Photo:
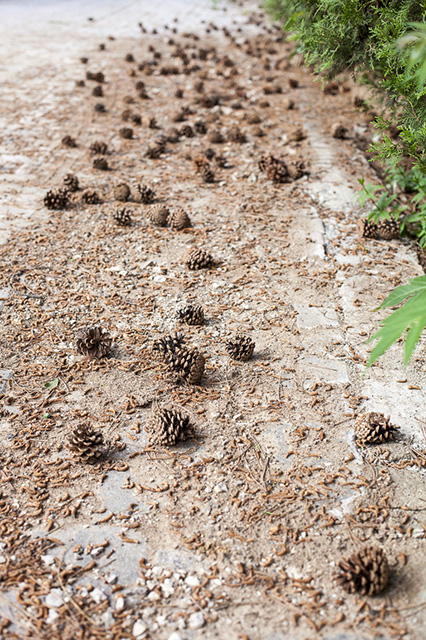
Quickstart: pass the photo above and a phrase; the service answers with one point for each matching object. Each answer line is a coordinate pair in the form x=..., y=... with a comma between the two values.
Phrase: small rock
x=174, y=636
x=220, y=488
x=55, y=598
x=48, y=560
x=196, y=620
x=98, y=595
x=139, y=628
x=153, y=595
x=119, y=603
x=52, y=616
x=192, y=581
x=2, y=559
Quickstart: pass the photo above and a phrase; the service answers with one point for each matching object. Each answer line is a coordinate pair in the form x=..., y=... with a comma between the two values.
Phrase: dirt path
x=238, y=531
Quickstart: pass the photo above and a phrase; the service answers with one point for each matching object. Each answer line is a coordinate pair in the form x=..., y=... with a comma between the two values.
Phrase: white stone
x=196, y=620
x=48, y=559
x=111, y=578
x=192, y=581
x=52, y=616
x=174, y=636
x=167, y=588
x=153, y=595
x=2, y=559
x=55, y=598
x=98, y=595
x=221, y=488
x=139, y=628
x=119, y=603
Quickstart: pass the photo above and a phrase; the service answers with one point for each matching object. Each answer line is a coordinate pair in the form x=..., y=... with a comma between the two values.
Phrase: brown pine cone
x=99, y=148
x=123, y=217
x=200, y=161
x=154, y=151
x=68, y=141
x=186, y=131
x=179, y=219
x=94, y=342
x=100, y=107
x=388, y=229
x=101, y=164
x=126, y=133
x=121, y=192
x=169, y=426
x=56, y=199
x=129, y=57
x=207, y=173
x=198, y=259
x=70, y=182
x=163, y=347
x=96, y=77
x=90, y=197
x=277, y=171
x=338, y=130
x=373, y=428
x=149, y=122
x=187, y=363
x=158, y=214
x=367, y=228
x=365, y=572
x=98, y=91
x=192, y=315
x=86, y=443
x=145, y=194
x=240, y=348
x=200, y=127
x=235, y=134
x=215, y=137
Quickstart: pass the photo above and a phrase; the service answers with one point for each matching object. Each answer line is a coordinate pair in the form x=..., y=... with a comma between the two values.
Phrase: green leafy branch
x=411, y=317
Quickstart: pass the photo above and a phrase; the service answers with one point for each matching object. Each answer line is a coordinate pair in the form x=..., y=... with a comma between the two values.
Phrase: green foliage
x=410, y=318
x=363, y=36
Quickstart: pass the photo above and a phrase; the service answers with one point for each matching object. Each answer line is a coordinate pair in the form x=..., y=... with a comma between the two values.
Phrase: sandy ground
x=238, y=531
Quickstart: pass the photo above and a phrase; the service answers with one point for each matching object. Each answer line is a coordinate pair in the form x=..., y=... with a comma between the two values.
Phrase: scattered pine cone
x=99, y=148
x=86, y=443
x=90, y=197
x=365, y=572
x=367, y=228
x=198, y=259
x=192, y=315
x=101, y=164
x=236, y=135
x=373, y=428
x=94, y=342
x=68, y=141
x=158, y=214
x=129, y=57
x=200, y=127
x=169, y=426
x=207, y=173
x=338, y=130
x=274, y=168
x=123, y=217
x=71, y=182
x=146, y=195
x=187, y=363
x=154, y=151
x=56, y=199
x=167, y=345
x=240, y=348
x=96, y=77
x=215, y=137
x=100, y=107
x=121, y=192
x=126, y=133
x=179, y=219
x=201, y=161
x=98, y=91
x=293, y=83
x=388, y=229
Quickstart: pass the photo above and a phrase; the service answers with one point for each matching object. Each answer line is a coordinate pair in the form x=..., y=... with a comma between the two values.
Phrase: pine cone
x=215, y=137
x=186, y=131
x=207, y=173
x=172, y=135
x=100, y=107
x=179, y=219
x=149, y=121
x=373, y=428
x=90, y=197
x=126, y=133
x=154, y=151
x=169, y=426
x=199, y=259
x=98, y=92
x=236, y=135
x=200, y=127
x=123, y=217
x=367, y=228
x=158, y=214
x=388, y=229
x=68, y=141
x=86, y=443
x=146, y=195
x=167, y=345
x=129, y=57
x=96, y=77
x=275, y=168
x=99, y=148
x=101, y=164
x=200, y=162
x=187, y=363
x=192, y=314
x=56, y=199
x=121, y=192
x=338, y=130
x=71, y=182
x=94, y=342
x=240, y=348
x=365, y=572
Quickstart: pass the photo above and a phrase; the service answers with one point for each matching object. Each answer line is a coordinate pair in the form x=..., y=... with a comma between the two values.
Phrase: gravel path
x=237, y=531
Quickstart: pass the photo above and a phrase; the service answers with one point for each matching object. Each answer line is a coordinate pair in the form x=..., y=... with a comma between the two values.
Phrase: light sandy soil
x=238, y=531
